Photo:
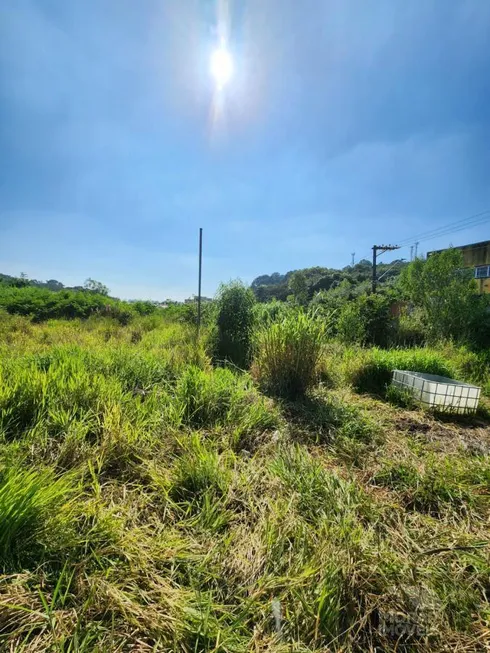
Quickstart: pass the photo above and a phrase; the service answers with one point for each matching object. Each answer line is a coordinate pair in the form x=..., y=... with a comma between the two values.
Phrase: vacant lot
x=149, y=502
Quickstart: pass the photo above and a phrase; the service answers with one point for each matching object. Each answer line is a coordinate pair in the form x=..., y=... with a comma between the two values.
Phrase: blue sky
x=346, y=122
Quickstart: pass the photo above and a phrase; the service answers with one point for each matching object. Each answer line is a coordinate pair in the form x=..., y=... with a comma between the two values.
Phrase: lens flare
x=221, y=67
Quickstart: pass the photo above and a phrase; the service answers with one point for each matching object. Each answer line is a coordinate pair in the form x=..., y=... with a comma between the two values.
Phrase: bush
x=235, y=321
x=367, y=320
x=118, y=311
x=41, y=304
x=187, y=313
x=287, y=355
x=329, y=417
x=144, y=308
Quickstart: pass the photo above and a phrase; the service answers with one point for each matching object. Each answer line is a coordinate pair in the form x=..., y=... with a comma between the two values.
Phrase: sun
x=221, y=66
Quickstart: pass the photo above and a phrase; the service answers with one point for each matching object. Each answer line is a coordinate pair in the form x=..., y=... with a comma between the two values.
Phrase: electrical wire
x=391, y=268
x=452, y=227
x=445, y=230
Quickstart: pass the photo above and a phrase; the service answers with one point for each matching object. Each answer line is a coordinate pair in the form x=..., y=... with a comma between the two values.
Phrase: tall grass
x=287, y=355
x=30, y=503
x=370, y=370
x=232, y=338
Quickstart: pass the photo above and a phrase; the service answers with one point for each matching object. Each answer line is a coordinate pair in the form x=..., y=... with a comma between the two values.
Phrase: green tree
x=144, y=307
x=298, y=286
x=96, y=286
x=53, y=284
x=446, y=294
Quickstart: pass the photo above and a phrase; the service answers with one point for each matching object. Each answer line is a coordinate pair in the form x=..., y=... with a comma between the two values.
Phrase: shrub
x=118, y=311
x=235, y=321
x=367, y=320
x=329, y=417
x=400, y=398
x=41, y=304
x=287, y=355
x=187, y=313
x=474, y=367
x=144, y=308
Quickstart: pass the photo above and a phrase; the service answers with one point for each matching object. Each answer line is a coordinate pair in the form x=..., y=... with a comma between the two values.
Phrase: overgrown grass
x=151, y=502
x=31, y=519
x=287, y=355
x=438, y=484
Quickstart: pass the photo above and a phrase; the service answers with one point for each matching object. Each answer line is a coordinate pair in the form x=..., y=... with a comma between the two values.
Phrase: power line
x=445, y=230
x=447, y=233
x=460, y=224
x=402, y=260
x=469, y=221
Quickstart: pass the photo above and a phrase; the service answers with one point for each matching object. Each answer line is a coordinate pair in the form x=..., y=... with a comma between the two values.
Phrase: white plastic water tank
x=438, y=392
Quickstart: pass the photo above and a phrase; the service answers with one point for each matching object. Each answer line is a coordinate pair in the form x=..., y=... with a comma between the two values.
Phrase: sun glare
x=221, y=66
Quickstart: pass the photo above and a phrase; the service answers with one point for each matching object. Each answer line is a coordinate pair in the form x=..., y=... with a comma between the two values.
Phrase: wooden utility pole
x=379, y=249
x=199, y=285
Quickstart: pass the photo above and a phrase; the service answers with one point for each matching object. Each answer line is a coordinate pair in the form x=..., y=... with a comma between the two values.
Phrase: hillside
x=22, y=281
x=356, y=277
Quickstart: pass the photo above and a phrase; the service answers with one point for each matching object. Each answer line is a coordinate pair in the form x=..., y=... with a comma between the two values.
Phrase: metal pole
x=199, y=286
x=375, y=254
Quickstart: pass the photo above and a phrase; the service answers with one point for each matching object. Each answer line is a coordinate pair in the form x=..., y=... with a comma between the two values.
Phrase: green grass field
x=149, y=502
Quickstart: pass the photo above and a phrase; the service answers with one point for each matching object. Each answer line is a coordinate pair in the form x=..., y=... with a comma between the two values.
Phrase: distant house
x=476, y=256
